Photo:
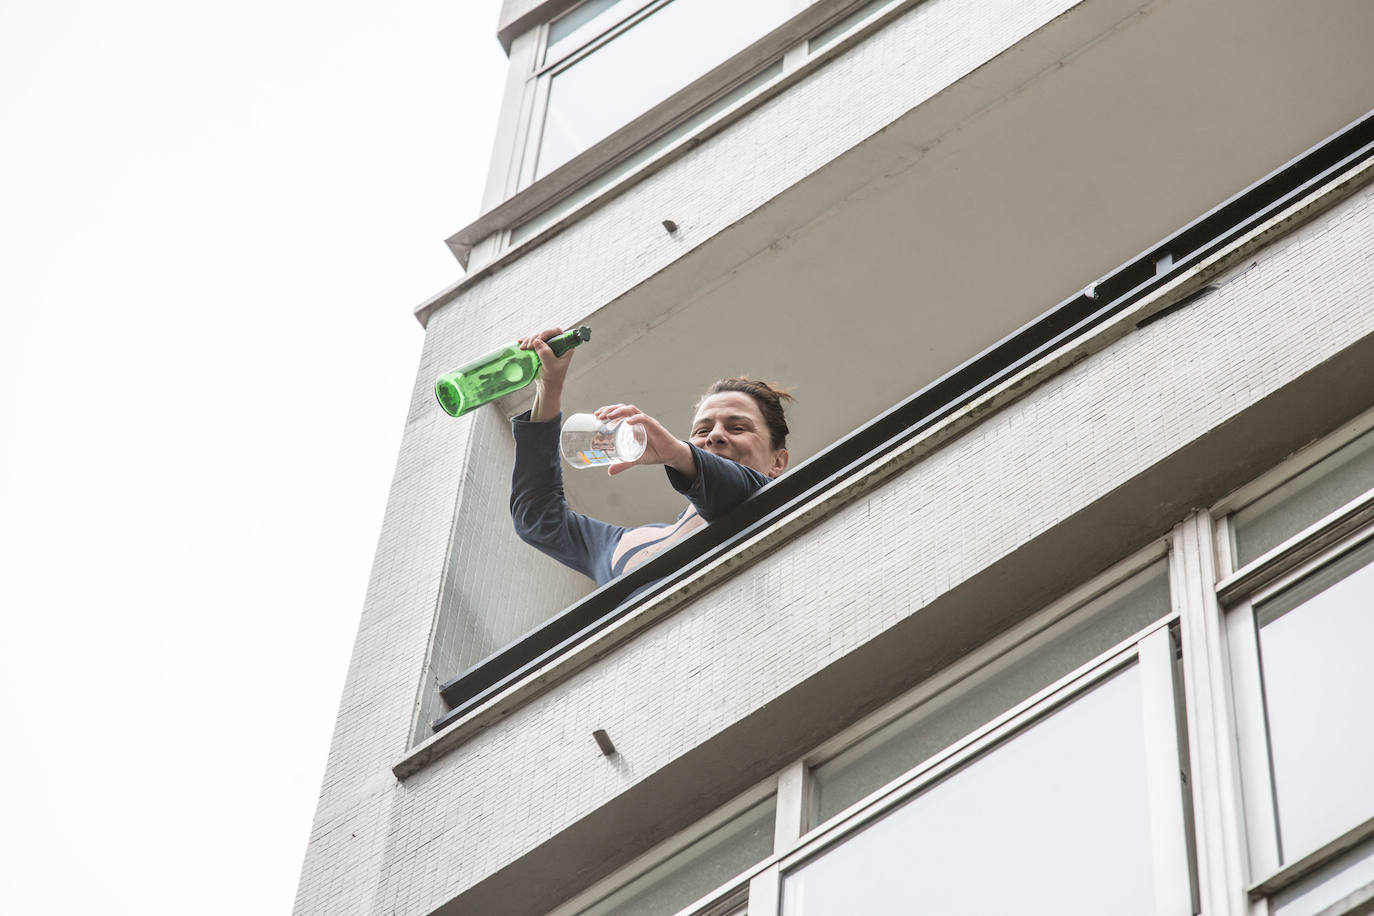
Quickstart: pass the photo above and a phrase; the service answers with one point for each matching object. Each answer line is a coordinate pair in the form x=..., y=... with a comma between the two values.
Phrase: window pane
x=633, y=161
x=1056, y=820
x=644, y=65
x=1345, y=474
x=1106, y=621
x=1318, y=681
x=697, y=870
x=564, y=26
x=1346, y=876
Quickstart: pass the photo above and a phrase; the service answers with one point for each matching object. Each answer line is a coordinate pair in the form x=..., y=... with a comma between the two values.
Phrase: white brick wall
x=793, y=135
x=1026, y=469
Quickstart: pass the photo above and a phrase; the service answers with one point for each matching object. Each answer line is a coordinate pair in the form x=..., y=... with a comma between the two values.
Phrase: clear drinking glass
x=586, y=442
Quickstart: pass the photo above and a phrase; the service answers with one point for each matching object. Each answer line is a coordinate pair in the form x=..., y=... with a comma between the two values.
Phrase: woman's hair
x=768, y=397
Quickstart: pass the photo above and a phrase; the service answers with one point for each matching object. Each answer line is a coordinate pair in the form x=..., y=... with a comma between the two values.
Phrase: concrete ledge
x=1246, y=438
x=1141, y=510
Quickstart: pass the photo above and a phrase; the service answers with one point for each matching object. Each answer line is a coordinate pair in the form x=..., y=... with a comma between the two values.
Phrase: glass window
x=1314, y=641
x=563, y=30
x=1054, y=820
x=1340, y=477
x=1339, y=887
x=638, y=158
x=643, y=65
x=698, y=869
x=1103, y=623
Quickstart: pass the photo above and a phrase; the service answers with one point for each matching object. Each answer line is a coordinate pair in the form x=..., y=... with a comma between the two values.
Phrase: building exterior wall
x=879, y=586
x=1026, y=471
x=788, y=138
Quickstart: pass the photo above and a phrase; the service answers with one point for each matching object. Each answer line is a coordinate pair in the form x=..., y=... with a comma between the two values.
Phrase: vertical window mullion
x=1252, y=739
x=1214, y=764
x=512, y=127
x=1165, y=765
x=765, y=892
x=538, y=100
x=1225, y=547
x=794, y=806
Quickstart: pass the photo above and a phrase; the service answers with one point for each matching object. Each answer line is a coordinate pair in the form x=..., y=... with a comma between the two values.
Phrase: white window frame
x=526, y=101
x=721, y=901
x=1155, y=648
x=595, y=35
x=999, y=653
x=1237, y=592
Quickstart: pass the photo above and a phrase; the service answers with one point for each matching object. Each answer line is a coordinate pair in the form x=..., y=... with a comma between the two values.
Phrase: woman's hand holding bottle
x=548, y=396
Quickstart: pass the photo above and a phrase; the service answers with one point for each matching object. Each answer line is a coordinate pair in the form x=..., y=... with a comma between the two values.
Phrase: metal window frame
x=1298, y=558
x=1293, y=559
x=615, y=175
x=523, y=199
x=1293, y=467
x=1154, y=650
x=1222, y=861
x=605, y=29
x=593, y=33
x=1155, y=647
x=990, y=661
x=539, y=82
x=719, y=899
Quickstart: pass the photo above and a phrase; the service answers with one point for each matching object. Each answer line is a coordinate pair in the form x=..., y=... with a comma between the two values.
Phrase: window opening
x=564, y=30
x=643, y=65
x=1341, y=887
x=1303, y=500
x=698, y=869
x=633, y=161
x=1317, y=681
x=1104, y=622
x=1060, y=812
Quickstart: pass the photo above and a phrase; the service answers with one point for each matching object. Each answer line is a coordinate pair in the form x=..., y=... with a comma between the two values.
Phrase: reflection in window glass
x=1315, y=641
x=1345, y=474
x=1106, y=621
x=1055, y=821
x=564, y=26
x=697, y=870
x=644, y=65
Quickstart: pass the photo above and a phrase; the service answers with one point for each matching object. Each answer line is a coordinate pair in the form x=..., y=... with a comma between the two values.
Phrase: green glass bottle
x=498, y=373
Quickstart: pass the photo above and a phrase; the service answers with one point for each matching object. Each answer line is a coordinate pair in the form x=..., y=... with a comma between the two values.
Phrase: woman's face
x=731, y=425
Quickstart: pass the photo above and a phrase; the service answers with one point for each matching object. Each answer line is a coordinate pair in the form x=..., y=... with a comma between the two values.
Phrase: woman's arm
x=538, y=508
x=548, y=392
x=718, y=485
x=540, y=512
x=713, y=484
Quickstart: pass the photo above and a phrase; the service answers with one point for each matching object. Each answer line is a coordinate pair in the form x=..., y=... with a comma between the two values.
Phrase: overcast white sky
x=215, y=220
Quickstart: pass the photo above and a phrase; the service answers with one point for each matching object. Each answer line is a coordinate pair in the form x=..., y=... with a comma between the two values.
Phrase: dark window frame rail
x=1072, y=318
